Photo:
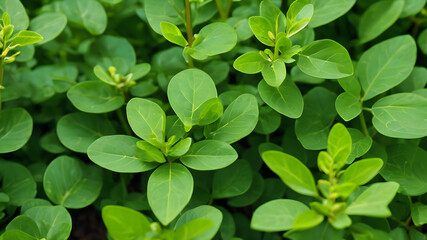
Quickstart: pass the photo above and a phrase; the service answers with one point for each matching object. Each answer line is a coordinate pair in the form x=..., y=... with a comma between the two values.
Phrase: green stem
x=1, y=76
x=363, y=123
x=190, y=37
x=224, y=13
x=123, y=121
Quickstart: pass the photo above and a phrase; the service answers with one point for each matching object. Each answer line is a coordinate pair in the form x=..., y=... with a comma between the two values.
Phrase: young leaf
x=149, y=153
x=70, y=183
x=373, y=201
x=298, y=16
x=16, y=127
x=209, y=111
x=193, y=229
x=119, y=153
x=180, y=148
x=239, y=119
x=401, y=115
x=202, y=212
x=362, y=171
x=328, y=10
x=125, y=223
x=292, y=172
x=341, y=221
x=285, y=99
x=95, y=97
x=271, y=12
x=169, y=190
x=209, y=155
x=147, y=120
x=339, y=145
x=306, y=220
x=216, y=38
x=419, y=214
x=24, y=38
x=377, y=18
x=277, y=215
x=172, y=33
x=325, y=59
x=185, y=96
x=77, y=131
x=250, y=63
x=386, y=64
x=103, y=75
x=17, y=15
x=274, y=73
x=261, y=27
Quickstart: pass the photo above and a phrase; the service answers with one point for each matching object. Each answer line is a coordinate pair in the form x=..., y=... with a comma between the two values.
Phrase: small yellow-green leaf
x=172, y=33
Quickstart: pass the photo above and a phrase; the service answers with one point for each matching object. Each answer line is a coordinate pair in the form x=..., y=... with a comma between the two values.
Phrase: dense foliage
x=214, y=119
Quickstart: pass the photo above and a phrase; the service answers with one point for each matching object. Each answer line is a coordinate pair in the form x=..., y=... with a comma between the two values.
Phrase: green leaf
x=232, y=181
x=238, y=121
x=401, y=115
x=90, y=13
x=125, y=223
x=16, y=126
x=412, y=7
x=17, y=182
x=147, y=120
x=119, y=153
x=312, y=128
x=209, y=111
x=348, y=106
x=277, y=215
x=414, y=81
x=306, y=220
x=386, y=64
x=54, y=222
x=362, y=171
x=24, y=224
x=48, y=25
x=327, y=11
x=325, y=59
x=360, y=144
x=252, y=195
x=17, y=13
x=406, y=165
x=292, y=172
x=163, y=11
x=209, y=155
x=339, y=145
x=373, y=201
x=250, y=63
x=193, y=229
x=378, y=18
x=149, y=153
x=70, y=183
x=268, y=120
x=17, y=235
x=419, y=214
x=341, y=221
x=215, y=38
x=140, y=70
x=422, y=41
x=103, y=75
x=24, y=38
x=274, y=73
x=172, y=33
x=77, y=131
x=107, y=51
x=261, y=27
x=95, y=97
x=271, y=12
x=286, y=99
x=204, y=212
x=298, y=16
x=180, y=148
x=187, y=91
x=169, y=190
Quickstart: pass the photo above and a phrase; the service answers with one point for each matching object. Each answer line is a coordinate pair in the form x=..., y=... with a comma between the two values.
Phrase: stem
x=123, y=122
x=363, y=123
x=190, y=37
x=220, y=10
x=224, y=13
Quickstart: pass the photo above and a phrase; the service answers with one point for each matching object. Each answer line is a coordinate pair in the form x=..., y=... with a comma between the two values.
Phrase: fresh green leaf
x=17, y=182
x=306, y=220
x=386, y=64
x=90, y=13
x=274, y=73
x=326, y=11
x=252, y=195
x=17, y=14
x=180, y=148
x=360, y=144
x=54, y=222
x=348, y=106
x=339, y=145
x=250, y=63
x=209, y=111
x=70, y=183
x=193, y=229
x=172, y=33
x=169, y=190
x=262, y=29
x=277, y=215
x=292, y=172
x=233, y=180
x=48, y=25
x=103, y=75
x=419, y=214
x=125, y=223
x=323, y=231
x=16, y=126
x=24, y=224
x=24, y=38
x=298, y=16
x=209, y=155
x=361, y=172
x=149, y=153
x=215, y=38
x=325, y=59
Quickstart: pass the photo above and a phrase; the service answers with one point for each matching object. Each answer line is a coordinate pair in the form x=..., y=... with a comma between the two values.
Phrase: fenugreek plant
x=213, y=119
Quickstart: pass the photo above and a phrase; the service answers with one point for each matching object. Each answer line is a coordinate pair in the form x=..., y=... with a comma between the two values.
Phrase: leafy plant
x=213, y=119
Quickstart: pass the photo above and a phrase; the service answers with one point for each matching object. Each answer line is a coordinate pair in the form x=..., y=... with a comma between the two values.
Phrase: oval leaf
x=16, y=126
